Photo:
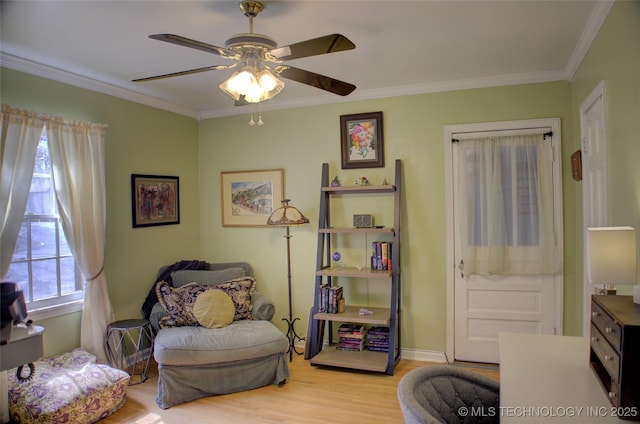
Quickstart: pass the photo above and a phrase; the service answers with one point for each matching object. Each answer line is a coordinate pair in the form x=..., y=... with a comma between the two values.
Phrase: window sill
x=55, y=311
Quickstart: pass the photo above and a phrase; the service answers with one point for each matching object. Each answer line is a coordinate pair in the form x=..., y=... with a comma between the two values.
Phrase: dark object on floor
x=446, y=394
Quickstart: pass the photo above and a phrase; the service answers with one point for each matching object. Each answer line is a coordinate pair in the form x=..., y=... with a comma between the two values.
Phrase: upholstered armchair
x=237, y=348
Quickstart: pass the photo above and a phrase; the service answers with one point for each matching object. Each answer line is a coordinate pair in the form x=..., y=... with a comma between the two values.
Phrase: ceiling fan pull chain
x=252, y=122
x=260, y=122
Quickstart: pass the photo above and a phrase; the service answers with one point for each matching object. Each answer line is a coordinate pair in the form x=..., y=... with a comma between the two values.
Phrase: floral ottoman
x=68, y=388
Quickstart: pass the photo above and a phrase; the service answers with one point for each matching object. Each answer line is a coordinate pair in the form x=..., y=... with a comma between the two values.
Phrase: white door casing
x=479, y=308
x=593, y=136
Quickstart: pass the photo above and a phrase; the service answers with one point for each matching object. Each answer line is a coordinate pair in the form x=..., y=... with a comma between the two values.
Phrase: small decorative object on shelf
x=362, y=220
x=335, y=182
x=337, y=258
x=362, y=181
x=385, y=182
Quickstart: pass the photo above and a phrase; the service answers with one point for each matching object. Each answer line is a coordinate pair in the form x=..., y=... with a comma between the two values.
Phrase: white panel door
x=485, y=306
x=594, y=176
x=488, y=305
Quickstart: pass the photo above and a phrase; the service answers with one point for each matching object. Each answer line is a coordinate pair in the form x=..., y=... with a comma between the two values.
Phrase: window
x=517, y=169
x=42, y=263
x=505, y=204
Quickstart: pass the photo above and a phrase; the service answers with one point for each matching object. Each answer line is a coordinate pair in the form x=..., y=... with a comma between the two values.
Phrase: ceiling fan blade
x=194, y=44
x=321, y=45
x=189, y=72
x=315, y=80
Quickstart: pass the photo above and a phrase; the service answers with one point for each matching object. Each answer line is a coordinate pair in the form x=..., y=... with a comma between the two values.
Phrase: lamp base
x=606, y=290
x=636, y=294
x=292, y=336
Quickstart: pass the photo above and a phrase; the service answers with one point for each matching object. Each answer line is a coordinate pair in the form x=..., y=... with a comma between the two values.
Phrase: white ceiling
x=402, y=47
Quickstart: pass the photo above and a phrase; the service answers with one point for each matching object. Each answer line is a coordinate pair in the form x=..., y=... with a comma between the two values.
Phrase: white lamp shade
x=611, y=255
x=255, y=86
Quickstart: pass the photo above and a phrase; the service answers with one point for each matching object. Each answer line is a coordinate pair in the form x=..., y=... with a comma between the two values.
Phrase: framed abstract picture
x=361, y=140
x=249, y=197
x=155, y=200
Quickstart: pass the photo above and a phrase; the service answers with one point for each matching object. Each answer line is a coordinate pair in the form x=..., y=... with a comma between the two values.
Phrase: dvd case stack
x=378, y=339
x=352, y=337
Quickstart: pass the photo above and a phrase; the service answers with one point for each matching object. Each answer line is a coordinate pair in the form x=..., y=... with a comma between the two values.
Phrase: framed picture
x=155, y=200
x=249, y=197
x=361, y=139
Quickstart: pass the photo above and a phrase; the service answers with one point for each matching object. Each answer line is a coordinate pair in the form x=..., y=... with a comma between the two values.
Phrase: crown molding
x=597, y=18
x=71, y=78
x=45, y=71
x=405, y=90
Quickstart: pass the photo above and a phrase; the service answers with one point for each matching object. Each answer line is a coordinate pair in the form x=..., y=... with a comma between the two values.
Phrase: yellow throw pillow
x=214, y=309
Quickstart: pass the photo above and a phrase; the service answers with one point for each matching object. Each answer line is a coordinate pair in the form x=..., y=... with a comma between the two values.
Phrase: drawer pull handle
x=594, y=339
x=608, y=330
x=612, y=395
x=608, y=358
x=594, y=314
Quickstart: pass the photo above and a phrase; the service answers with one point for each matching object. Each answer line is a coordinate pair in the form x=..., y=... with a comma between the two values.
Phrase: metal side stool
x=129, y=346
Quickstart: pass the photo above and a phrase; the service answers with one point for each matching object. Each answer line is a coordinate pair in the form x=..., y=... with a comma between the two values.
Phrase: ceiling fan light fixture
x=261, y=59
x=269, y=82
x=252, y=85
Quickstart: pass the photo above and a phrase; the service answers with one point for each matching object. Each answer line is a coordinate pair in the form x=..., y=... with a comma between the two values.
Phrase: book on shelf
x=331, y=299
x=381, y=255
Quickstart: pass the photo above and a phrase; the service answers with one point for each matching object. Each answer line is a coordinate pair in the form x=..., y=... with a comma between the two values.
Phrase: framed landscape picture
x=249, y=197
x=361, y=140
x=155, y=200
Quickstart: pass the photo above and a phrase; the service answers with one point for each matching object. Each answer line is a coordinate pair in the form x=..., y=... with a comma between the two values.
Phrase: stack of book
x=381, y=255
x=351, y=337
x=331, y=300
x=378, y=339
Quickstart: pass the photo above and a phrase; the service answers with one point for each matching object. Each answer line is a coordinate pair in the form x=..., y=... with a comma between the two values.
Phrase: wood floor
x=311, y=395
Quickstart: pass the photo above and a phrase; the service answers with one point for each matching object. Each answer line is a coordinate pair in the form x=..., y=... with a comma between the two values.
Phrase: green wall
x=413, y=132
x=614, y=57
x=142, y=139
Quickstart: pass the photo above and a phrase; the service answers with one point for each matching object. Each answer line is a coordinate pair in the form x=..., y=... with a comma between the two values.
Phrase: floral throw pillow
x=179, y=302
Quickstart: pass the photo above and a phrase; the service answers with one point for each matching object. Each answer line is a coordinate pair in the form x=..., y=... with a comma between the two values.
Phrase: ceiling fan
x=260, y=59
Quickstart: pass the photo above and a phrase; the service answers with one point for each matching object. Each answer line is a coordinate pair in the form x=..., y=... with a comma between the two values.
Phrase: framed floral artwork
x=249, y=197
x=361, y=140
x=155, y=200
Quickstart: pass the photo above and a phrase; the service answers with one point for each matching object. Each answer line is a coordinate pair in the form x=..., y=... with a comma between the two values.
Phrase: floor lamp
x=288, y=216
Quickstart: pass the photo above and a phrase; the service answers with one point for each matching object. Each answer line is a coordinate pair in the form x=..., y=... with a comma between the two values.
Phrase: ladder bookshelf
x=328, y=275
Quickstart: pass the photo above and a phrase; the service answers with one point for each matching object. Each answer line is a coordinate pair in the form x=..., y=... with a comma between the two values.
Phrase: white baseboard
x=424, y=355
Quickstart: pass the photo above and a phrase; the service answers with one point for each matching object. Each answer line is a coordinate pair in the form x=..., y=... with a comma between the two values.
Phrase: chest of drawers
x=615, y=347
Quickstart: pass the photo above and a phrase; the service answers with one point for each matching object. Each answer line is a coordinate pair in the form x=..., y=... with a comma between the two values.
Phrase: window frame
x=60, y=303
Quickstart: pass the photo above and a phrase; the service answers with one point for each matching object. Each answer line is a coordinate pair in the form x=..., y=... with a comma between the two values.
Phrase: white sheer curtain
x=506, y=205
x=77, y=156
x=20, y=136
